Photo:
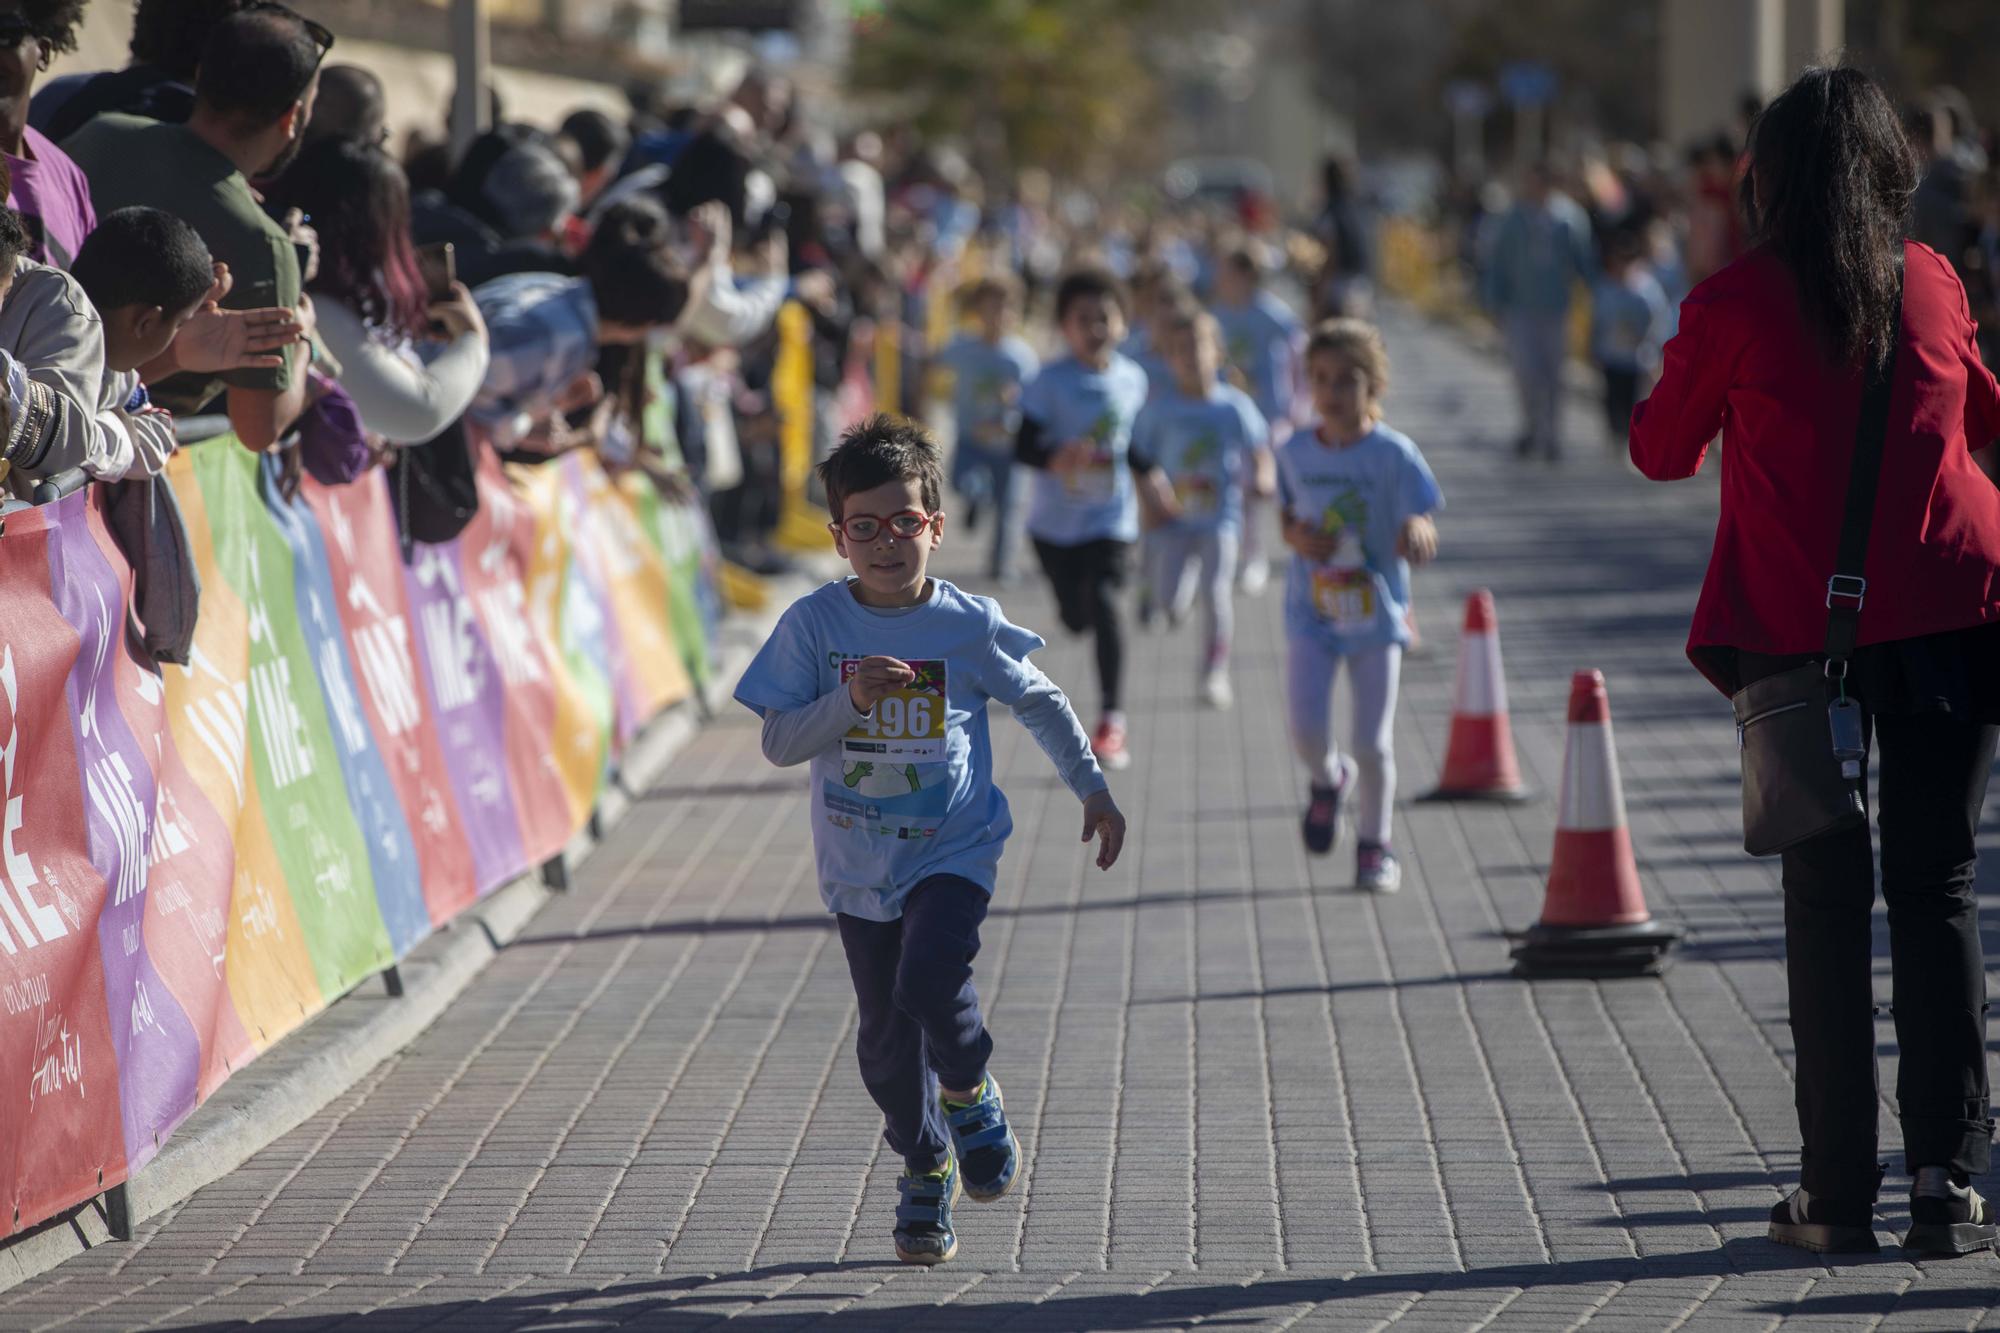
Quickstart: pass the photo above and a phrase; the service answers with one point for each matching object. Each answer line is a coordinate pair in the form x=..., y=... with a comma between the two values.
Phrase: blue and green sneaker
x=923, y=1218
x=986, y=1147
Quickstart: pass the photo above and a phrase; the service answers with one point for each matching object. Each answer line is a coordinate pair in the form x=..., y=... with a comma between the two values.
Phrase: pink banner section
x=194, y=860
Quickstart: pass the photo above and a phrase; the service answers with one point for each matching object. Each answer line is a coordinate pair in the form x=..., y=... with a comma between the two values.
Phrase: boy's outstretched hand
x=875, y=680
x=1102, y=820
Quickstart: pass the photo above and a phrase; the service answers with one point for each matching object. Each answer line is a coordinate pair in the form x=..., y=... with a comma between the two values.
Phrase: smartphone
x=439, y=265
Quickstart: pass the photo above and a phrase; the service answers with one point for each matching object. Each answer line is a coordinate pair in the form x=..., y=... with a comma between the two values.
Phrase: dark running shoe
x=1823, y=1226
x=986, y=1148
x=923, y=1219
x=1947, y=1218
x=1321, y=824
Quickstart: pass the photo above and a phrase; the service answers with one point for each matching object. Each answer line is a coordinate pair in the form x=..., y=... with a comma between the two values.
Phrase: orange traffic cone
x=1479, y=760
x=1594, y=918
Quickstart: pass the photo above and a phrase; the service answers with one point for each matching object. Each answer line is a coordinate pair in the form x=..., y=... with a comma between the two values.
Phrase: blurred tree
x=1061, y=84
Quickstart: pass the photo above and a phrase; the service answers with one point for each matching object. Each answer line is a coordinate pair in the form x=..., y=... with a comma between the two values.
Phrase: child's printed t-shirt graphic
x=986, y=380
x=908, y=792
x=1069, y=401
x=1205, y=446
x=1361, y=495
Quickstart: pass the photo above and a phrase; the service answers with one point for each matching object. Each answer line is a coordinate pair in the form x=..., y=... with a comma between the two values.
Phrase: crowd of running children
x=1176, y=415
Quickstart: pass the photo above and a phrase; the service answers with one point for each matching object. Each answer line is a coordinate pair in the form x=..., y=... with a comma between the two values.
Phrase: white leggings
x=1372, y=677
x=1213, y=555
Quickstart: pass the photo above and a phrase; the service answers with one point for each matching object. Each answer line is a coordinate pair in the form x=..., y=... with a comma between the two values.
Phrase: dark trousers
x=1087, y=578
x=920, y=1023
x=1621, y=395
x=1930, y=786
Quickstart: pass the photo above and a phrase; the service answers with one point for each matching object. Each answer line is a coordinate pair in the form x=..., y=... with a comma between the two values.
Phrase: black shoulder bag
x=1802, y=738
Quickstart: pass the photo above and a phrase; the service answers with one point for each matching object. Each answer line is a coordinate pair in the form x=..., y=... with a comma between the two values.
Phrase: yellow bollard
x=889, y=362
x=801, y=523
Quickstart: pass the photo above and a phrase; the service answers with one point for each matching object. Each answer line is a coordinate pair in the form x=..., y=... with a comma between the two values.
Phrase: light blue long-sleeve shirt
x=1538, y=256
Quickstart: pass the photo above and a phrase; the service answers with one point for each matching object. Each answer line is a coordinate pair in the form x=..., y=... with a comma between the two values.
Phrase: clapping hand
x=217, y=340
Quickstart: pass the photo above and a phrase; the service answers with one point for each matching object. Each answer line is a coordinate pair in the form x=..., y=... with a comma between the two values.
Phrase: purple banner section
x=471, y=714
x=159, y=1052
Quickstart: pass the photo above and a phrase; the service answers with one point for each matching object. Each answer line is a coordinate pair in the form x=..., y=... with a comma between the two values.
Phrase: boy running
x=1210, y=439
x=882, y=681
x=989, y=364
x=1076, y=431
x=1356, y=499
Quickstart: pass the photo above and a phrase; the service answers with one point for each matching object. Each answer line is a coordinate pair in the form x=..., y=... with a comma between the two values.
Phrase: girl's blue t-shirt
x=1205, y=446
x=1362, y=494
x=909, y=791
x=1069, y=401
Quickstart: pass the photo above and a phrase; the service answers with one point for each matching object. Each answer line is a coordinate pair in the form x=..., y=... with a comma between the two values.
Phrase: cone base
x=1643, y=949
x=1480, y=795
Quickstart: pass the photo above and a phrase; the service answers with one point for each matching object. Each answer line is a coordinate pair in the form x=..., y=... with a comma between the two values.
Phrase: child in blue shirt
x=882, y=682
x=1357, y=499
x=1629, y=318
x=1209, y=438
x=1083, y=512
x=1261, y=339
x=989, y=365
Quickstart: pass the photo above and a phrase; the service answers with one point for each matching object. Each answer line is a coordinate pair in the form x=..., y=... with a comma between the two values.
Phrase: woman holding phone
x=1773, y=351
x=412, y=355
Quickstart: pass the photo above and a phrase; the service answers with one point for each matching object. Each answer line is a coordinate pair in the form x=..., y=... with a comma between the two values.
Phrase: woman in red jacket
x=1771, y=352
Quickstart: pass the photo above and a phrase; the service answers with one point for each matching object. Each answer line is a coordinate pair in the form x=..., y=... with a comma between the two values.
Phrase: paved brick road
x=1247, y=1095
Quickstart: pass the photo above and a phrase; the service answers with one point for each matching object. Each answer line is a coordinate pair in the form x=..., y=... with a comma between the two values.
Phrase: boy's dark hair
x=1084, y=284
x=878, y=451
x=598, y=138
x=256, y=65
x=1243, y=261
x=143, y=257
x=632, y=269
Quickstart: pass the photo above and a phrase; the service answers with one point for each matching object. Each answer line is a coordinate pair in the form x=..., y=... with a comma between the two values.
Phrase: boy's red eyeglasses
x=907, y=525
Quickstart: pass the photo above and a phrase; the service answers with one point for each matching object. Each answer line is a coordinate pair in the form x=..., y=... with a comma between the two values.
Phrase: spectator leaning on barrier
x=51, y=367
x=51, y=195
x=155, y=288
x=412, y=366
x=167, y=41
x=254, y=96
x=1772, y=352
x=545, y=330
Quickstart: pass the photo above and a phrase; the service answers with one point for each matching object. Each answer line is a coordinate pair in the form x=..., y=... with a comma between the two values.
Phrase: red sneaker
x=1108, y=744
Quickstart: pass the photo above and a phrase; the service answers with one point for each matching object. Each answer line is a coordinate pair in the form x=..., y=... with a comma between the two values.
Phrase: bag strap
x=1847, y=590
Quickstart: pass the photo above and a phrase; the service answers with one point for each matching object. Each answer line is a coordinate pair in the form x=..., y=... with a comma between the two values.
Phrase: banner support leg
x=118, y=1212
x=392, y=981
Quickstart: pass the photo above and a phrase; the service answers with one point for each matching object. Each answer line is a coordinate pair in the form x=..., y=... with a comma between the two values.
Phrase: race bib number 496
x=907, y=726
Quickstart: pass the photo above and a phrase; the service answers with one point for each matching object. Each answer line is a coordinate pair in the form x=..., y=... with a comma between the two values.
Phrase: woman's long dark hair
x=359, y=203
x=1829, y=186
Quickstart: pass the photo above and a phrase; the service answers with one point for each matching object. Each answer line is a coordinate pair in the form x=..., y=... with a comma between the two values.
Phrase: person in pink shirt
x=49, y=191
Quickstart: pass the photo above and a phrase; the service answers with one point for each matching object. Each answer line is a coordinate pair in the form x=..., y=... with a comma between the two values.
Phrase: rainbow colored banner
x=195, y=860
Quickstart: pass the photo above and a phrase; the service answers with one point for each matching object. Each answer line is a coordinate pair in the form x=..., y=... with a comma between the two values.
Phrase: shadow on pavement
x=738, y=925
x=685, y=1303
